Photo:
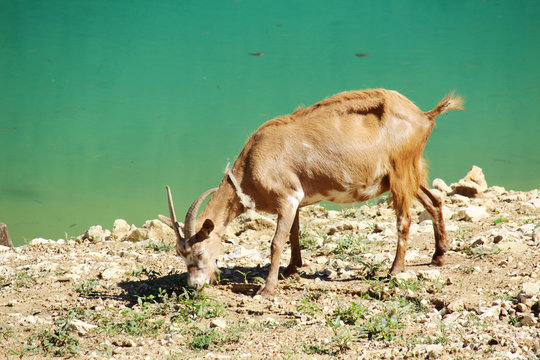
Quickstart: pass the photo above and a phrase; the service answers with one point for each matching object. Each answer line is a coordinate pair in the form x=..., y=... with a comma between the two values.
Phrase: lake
x=103, y=103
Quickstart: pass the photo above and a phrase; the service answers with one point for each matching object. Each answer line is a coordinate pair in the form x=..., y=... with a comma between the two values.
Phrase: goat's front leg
x=296, y=256
x=286, y=218
x=403, y=225
x=433, y=205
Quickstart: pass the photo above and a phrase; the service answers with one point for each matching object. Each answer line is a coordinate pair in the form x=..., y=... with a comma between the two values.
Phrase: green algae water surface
x=103, y=103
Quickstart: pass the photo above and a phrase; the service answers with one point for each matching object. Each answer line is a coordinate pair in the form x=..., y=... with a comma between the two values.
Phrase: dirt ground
x=128, y=299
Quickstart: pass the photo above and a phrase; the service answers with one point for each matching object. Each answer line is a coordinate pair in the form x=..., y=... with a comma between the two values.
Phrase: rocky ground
x=121, y=293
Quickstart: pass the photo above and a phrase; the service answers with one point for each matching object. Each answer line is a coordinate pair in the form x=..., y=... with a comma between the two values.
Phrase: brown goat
x=348, y=148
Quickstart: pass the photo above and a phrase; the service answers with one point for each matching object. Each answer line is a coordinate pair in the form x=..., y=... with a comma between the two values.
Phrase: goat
x=348, y=148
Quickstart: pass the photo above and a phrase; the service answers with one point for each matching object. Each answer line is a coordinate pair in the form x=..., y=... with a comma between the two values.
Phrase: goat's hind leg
x=401, y=207
x=433, y=205
x=296, y=256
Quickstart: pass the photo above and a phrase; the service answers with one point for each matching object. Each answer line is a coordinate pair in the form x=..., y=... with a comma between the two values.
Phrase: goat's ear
x=167, y=221
x=204, y=233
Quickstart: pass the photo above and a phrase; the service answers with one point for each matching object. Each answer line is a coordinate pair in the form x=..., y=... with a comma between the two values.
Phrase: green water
x=102, y=103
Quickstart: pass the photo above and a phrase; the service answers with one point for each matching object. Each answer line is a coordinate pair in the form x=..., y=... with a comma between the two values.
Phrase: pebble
x=431, y=275
x=218, y=323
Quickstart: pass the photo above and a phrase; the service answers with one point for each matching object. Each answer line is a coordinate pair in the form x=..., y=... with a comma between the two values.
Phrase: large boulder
x=152, y=229
x=472, y=184
x=120, y=229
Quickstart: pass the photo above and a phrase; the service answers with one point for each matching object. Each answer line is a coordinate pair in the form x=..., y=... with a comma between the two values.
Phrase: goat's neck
x=223, y=207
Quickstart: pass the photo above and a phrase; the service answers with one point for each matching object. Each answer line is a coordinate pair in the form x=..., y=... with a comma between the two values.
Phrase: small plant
x=4, y=282
x=57, y=342
x=340, y=342
x=307, y=305
x=349, y=246
x=204, y=339
x=348, y=213
x=466, y=269
x=309, y=241
x=342, y=338
x=500, y=220
x=353, y=314
x=87, y=287
x=141, y=270
x=479, y=252
x=24, y=279
x=6, y=331
x=192, y=305
x=159, y=247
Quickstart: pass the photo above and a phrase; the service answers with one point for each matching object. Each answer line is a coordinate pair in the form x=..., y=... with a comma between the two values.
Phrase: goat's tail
x=449, y=102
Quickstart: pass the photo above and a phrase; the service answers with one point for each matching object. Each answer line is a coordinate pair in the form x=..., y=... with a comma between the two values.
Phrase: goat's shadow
x=243, y=279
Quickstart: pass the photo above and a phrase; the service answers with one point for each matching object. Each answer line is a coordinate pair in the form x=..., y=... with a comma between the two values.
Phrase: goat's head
x=199, y=248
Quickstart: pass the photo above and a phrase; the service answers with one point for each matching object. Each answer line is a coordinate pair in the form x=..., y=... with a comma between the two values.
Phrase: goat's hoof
x=396, y=270
x=438, y=260
x=265, y=291
x=289, y=270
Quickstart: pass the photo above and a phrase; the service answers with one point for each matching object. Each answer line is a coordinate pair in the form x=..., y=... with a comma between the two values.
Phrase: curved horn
x=191, y=216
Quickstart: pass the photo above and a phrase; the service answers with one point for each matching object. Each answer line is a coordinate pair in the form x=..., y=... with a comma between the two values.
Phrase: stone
x=218, y=323
x=120, y=229
x=536, y=234
x=113, y=273
x=431, y=275
x=5, y=239
x=38, y=241
x=459, y=199
x=472, y=184
x=527, y=319
x=157, y=230
x=456, y=305
x=81, y=327
x=471, y=213
x=530, y=289
x=439, y=184
x=136, y=234
x=535, y=203
x=94, y=234
x=490, y=313
x=242, y=252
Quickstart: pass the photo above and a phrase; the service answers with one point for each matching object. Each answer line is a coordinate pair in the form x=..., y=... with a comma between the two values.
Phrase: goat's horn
x=173, y=215
x=191, y=216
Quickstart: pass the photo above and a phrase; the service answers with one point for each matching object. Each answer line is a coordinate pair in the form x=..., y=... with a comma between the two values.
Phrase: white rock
x=490, y=313
x=531, y=289
x=536, y=234
x=406, y=276
x=471, y=213
x=535, y=203
x=432, y=275
x=242, y=252
x=459, y=199
x=38, y=241
x=94, y=233
x=456, y=305
x=439, y=184
x=451, y=318
x=80, y=326
x=157, y=230
x=218, y=323
x=120, y=229
x=472, y=184
x=113, y=273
